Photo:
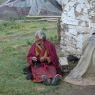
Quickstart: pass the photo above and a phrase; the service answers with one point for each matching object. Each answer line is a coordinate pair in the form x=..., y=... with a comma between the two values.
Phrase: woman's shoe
x=56, y=79
x=45, y=79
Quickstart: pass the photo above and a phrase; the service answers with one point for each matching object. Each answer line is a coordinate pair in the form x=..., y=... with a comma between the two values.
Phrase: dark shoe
x=27, y=70
x=56, y=79
x=29, y=76
x=45, y=79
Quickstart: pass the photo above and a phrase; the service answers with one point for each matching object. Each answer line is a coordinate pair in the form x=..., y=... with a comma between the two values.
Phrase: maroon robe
x=51, y=69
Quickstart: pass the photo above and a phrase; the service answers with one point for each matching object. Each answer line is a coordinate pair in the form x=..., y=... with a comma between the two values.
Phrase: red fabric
x=39, y=71
x=52, y=53
x=50, y=69
x=41, y=54
x=40, y=51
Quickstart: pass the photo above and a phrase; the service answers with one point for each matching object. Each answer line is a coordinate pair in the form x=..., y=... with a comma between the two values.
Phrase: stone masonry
x=78, y=23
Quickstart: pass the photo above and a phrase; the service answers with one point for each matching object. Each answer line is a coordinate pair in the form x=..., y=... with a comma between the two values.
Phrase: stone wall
x=78, y=23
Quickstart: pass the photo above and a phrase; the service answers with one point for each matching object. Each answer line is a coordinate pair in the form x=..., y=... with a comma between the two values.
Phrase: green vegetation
x=15, y=40
x=2, y=1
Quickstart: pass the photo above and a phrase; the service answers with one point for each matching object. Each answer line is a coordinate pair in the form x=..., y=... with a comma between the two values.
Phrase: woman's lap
x=39, y=71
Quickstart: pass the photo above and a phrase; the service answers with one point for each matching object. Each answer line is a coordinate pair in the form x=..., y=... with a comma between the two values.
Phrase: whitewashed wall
x=78, y=22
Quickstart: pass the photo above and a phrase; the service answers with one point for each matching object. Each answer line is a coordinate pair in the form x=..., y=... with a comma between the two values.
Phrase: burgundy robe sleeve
x=52, y=54
x=31, y=53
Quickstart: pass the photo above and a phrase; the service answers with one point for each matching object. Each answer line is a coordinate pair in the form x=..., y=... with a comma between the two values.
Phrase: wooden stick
x=43, y=16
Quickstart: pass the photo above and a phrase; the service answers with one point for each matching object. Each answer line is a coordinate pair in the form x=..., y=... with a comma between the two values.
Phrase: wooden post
x=58, y=29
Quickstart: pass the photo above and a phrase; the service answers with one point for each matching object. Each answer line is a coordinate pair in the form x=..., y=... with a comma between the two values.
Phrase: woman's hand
x=42, y=59
x=34, y=58
x=48, y=59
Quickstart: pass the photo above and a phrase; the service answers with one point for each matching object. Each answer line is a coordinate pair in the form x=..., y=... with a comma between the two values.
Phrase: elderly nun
x=43, y=60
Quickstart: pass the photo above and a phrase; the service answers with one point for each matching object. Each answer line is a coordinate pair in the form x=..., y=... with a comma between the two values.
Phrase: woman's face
x=38, y=40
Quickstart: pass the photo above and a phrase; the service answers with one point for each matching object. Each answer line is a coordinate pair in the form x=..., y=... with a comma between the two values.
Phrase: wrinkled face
x=38, y=40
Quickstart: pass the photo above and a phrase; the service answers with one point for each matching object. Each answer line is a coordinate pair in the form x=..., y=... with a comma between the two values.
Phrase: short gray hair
x=41, y=34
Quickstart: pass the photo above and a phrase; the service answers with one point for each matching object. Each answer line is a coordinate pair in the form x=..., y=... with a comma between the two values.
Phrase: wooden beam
x=43, y=16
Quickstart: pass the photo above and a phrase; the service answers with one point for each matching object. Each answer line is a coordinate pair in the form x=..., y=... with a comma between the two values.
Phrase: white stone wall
x=78, y=22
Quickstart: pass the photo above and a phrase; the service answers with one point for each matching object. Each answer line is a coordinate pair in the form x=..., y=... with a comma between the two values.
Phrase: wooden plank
x=64, y=64
x=43, y=16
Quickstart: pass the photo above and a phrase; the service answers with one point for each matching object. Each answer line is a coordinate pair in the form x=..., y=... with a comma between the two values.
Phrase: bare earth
x=68, y=89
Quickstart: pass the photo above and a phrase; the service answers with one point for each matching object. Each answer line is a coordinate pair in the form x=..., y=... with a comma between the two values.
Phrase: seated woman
x=43, y=60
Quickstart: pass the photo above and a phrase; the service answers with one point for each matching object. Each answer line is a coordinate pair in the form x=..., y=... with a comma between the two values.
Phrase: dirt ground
x=68, y=89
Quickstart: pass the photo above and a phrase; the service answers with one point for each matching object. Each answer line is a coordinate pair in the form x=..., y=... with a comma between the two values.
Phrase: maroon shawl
x=52, y=53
